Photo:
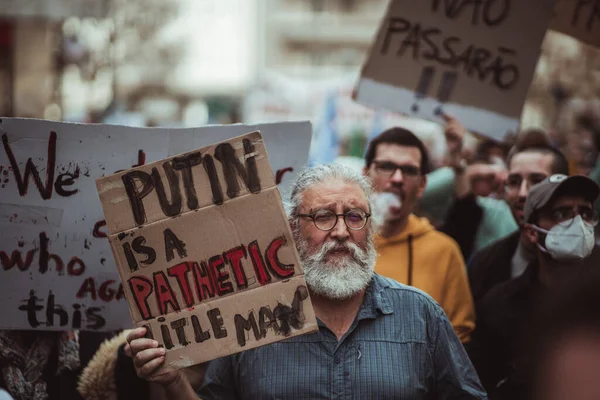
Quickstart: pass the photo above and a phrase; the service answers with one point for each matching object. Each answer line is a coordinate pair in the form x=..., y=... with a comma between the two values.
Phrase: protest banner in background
x=473, y=60
x=578, y=18
x=57, y=271
x=205, y=252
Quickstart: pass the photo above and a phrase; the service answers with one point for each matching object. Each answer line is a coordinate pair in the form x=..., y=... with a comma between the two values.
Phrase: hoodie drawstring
x=410, y=260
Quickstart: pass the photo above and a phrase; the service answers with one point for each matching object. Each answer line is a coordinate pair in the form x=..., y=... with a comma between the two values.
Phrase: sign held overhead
x=578, y=18
x=205, y=252
x=472, y=60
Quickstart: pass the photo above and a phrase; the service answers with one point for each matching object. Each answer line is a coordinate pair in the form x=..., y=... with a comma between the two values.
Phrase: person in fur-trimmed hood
x=110, y=375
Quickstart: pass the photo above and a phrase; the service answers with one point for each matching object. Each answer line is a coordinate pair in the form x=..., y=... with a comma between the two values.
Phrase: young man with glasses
x=558, y=223
x=507, y=258
x=377, y=339
x=410, y=250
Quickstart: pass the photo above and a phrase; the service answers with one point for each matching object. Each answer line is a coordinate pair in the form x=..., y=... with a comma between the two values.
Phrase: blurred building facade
x=319, y=38
x=30, y=37
x=192, y=62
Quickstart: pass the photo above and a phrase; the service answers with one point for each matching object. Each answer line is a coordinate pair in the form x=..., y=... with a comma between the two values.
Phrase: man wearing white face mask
x=559, y=221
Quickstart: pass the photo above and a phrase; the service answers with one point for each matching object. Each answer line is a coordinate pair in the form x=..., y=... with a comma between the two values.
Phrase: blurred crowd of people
x=474, y=280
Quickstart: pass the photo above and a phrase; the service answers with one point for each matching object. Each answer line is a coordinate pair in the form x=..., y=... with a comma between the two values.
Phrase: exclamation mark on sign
x=423, y=86
x=446, y=88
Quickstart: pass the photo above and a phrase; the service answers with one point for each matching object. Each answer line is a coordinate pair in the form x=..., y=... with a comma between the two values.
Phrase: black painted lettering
x=199, y=335
x=131, y=261
x=31, y=306
x=30, y=169
x=233, y=168
x=76, y=321
x=46, y=256
x=216, y=323
x=94, y=319
x=66, y=179
x=266, y=321
x=426, y=36
x=149, y=252
x=213, y=178
x=173, y=207
x=495, y=11
x=166, y=335
x=395, y=25
x=172, y=242
x=185, y=164
x=179, y=325
x=55, y=309
x=242, y=325
x=136, y=195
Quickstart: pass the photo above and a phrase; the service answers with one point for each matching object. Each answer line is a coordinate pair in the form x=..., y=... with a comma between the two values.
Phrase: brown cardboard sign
x=473, y=60
x=205, y=252
x=578, y=18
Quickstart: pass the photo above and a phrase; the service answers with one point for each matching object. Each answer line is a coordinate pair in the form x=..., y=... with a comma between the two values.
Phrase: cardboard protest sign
x=57, y=271
x=578, y=18
x=473, y=60
x=205, y=252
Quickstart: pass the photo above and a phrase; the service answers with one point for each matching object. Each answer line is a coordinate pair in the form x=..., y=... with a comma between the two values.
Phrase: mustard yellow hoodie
x=429, y=260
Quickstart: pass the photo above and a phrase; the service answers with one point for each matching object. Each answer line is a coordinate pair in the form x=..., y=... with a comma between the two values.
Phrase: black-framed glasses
x=388, y=169
x=326, y=220
x=515, y=181
x=562, y=214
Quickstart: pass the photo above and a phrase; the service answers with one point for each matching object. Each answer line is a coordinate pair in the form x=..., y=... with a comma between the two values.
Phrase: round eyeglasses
x=326, y=220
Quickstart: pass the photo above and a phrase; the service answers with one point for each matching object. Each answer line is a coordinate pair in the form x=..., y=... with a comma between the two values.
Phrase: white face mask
x=569, y=240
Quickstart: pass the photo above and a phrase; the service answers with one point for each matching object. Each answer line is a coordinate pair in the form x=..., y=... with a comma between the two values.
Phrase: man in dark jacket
x=508, y=257
x=559, y=224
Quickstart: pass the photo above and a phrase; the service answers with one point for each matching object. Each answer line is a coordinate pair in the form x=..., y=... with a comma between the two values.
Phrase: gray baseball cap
x=545, y=191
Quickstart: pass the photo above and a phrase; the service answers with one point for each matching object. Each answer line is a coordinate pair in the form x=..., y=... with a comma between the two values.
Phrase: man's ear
x=531, y=233
x=365, y=171
x=422, y=186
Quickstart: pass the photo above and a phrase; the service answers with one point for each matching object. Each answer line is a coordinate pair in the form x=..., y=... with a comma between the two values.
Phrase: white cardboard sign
x=57, y=271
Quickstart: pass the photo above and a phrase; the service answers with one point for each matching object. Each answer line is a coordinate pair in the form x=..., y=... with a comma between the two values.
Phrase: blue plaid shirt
x=400, y=346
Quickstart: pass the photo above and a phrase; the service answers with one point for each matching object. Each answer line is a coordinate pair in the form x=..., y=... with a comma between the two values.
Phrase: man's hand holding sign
x=206, y=256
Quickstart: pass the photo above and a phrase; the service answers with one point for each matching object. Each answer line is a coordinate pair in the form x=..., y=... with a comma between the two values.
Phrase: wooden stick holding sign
x=205, y=252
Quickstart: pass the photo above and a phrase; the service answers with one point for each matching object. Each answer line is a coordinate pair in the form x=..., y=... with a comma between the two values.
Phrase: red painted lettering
x=205, y=287
x=259, y=264
x=276, y=266
x=164, y=294
x=216, y=265
x=234, y=258
x=180, y=271
x=16, y=259
x=88, y=286
x=141, y=288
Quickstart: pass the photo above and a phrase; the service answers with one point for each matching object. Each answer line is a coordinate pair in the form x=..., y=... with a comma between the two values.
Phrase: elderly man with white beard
x=377, y=338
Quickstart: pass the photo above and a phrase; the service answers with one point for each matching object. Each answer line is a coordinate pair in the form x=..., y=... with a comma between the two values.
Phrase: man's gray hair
x=323, y=173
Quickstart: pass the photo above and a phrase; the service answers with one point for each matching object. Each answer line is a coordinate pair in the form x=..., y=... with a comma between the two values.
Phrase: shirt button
x=337, y=360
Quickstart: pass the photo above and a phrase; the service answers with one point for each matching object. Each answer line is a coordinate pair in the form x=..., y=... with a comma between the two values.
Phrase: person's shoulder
x=507, y=243
x=441, y=239
x=405, y=295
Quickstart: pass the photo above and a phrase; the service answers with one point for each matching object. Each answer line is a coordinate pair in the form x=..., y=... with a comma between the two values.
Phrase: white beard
x=339, y=279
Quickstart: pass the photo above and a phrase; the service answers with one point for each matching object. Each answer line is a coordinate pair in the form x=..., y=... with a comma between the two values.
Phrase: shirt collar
x=376, y=300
